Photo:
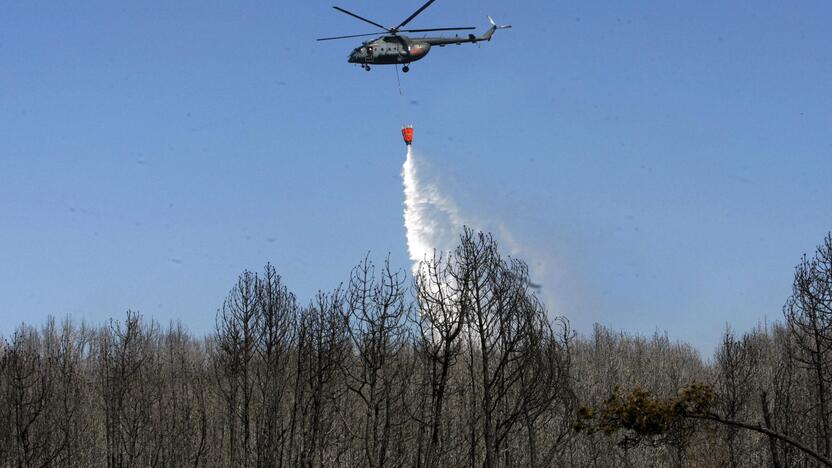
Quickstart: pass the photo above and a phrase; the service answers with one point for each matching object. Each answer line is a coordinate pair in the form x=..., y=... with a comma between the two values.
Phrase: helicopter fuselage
x=397, y=49
x=390, y=50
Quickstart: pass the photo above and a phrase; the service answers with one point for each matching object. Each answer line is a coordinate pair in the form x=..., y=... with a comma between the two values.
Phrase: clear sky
x=664, y=164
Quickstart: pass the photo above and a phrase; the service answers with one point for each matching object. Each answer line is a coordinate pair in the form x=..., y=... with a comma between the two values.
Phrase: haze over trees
x=460, y=366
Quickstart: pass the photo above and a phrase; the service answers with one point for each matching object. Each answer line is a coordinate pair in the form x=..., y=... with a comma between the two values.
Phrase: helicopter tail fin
x=494, y=27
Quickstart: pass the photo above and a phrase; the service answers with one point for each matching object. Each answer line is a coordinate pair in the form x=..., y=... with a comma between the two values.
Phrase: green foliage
x=643, y=416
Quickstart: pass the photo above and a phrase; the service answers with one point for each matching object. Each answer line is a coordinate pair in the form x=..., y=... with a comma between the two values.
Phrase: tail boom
x=442, y=41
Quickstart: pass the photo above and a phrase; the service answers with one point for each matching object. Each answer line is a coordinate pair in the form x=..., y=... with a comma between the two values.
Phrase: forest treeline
x=461, y=366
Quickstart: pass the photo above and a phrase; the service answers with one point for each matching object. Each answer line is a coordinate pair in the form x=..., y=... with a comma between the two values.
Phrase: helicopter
x=395, y=48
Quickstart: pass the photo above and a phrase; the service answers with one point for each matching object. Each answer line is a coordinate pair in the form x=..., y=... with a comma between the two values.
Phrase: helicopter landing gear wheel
x=405, y=69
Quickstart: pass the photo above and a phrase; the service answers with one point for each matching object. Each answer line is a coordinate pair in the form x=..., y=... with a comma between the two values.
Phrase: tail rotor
x=496, y=26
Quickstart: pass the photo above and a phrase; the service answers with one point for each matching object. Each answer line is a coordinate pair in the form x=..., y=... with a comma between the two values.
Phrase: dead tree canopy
x=462, y=365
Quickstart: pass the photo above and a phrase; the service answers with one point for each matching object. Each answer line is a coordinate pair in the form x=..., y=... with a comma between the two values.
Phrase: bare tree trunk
x=772, y=441
x=763, y=430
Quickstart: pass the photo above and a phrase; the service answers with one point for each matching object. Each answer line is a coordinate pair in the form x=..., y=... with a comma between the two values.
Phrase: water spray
x=432, y=220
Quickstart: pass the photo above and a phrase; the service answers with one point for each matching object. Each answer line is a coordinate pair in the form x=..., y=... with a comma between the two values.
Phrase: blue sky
x=666, y=163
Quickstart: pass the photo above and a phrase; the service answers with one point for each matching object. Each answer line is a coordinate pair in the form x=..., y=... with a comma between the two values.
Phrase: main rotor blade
x=409, y=19
x=362, y=18
x=436, y=29
x=347, y=37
